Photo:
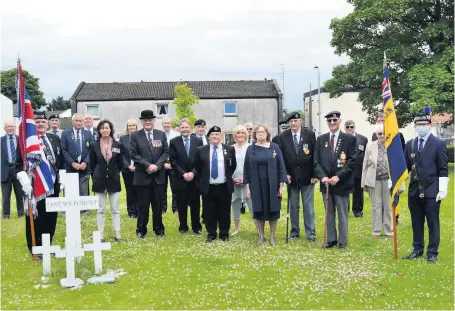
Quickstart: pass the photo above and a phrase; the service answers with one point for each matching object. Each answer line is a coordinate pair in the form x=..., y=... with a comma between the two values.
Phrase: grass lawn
x=182, y=272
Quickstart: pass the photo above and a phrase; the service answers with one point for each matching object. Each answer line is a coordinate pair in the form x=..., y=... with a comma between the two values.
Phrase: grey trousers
x=307, y=195
x=237, y=205
x=83, y=184
x=114, y=202
x=340, y=205
x=380, y=208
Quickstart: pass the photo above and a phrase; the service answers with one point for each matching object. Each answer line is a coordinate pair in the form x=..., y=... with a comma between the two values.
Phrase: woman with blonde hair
x=128, y=169
x=239, y=198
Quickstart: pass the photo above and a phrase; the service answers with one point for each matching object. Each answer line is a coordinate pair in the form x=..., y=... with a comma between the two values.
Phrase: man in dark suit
x=181, y=153
x=334, y=164
x=45, y=222
x=362, y=141
x=76, y=152
x=283, y=126
x=297, y=146
x=215, y=163
x=427, y=160
x=199, y=128
x=149, y=151
x=10, y=149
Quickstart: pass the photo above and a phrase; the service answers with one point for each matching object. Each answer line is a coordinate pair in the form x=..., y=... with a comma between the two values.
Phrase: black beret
x=422, y=117
x=293, y=115
x=54, y=116
x=333, y=114
x=214, y=129
x=199, y=122
x=39, y=114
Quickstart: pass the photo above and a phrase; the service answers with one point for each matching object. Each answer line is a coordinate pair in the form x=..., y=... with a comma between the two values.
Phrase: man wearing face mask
x=427, y=160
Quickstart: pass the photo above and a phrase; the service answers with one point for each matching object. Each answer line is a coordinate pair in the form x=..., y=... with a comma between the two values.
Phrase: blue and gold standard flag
x=398, y=171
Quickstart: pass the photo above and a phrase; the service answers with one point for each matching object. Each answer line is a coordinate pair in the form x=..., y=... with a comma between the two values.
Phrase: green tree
x=418, y=38
x=184, y=99
x=59, y=104
x=8, y=87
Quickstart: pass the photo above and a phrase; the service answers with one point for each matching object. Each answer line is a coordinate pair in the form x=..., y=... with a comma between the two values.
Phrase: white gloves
x=389, y=184
x=61, y=178
x=443, y=184
x=25, y=182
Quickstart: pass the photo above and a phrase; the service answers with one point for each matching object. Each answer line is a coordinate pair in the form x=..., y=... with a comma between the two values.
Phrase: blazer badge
x=343, y=157
x=305, y=149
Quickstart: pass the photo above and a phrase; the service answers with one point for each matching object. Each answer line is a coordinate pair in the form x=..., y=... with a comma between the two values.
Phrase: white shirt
x=75, y=138
x=335, y=139
x=298, y=136
x=220, y=157
x=204, y=140
x=171, y=134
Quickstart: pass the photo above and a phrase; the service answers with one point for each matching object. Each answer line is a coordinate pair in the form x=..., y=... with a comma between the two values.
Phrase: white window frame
x=230, y=113
x=157, y=110
x=94, y=105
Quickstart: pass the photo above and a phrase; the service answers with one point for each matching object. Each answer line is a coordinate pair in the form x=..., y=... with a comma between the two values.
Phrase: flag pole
x=395, y=237
x=21, y=99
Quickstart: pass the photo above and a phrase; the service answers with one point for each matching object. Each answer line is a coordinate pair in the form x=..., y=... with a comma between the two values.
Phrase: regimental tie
x=78, y=142
x=149, y=137
x=48, y=149
x=296, y=144
x=214, y=170
x=332, y=146
x=55, y=132
x=13, y=149
x=421, y=140
x=187, y=147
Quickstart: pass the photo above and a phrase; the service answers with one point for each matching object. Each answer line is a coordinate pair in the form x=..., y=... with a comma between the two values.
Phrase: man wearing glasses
x=362, y=141
x=249, y=128
x=334, y=164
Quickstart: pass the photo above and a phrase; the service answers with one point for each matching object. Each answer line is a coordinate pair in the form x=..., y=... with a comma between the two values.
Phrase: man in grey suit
x=149, y=151
x=9, y=152
x=362, y=141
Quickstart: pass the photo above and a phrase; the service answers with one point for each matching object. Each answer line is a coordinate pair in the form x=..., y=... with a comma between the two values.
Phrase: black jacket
x=180, y=162
x=125, y=141
x=360, y=147
x=106, y=176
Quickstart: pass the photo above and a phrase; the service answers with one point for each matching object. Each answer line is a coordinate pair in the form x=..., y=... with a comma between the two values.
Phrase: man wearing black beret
x=214, y=164
x=54, y=125
x=199, y=127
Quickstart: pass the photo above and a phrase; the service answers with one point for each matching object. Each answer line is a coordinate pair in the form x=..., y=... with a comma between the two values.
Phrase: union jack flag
x=36, y=164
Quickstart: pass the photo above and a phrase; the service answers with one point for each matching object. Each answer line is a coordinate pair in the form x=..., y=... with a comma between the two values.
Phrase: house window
x=162, y=109
x=229, y=139
x=94, y=110
x=230, y=109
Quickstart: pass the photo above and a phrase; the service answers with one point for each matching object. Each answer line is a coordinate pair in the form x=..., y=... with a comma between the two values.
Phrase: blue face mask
x=422, y=131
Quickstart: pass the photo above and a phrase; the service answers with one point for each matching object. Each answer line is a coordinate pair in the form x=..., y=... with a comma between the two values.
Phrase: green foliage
x=59, y=104
x=8, y=87
x=450, y=151
x=418, y=38
x=184, y=100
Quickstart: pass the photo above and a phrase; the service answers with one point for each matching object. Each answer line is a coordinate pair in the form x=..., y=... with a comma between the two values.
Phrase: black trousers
x=357, y=197
x=217, y=211
x=45, y=222
x=7, y=187
x=150, y=195
x=420, y=209
x=174, y=195
x=131, y=193
x=190, y=196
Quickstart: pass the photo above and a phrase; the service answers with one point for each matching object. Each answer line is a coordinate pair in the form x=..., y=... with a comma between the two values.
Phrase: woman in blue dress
x=264, y=174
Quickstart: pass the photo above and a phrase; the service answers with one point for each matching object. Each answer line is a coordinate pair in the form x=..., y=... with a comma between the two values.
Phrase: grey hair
x=184, y=120
x=76, y=115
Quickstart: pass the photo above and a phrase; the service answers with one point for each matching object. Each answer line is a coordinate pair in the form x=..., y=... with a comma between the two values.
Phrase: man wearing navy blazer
x=181, y=153
x=9, y=153
x=427, y=160
x=76, y=152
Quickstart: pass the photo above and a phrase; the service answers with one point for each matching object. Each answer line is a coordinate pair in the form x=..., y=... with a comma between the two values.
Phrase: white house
x=223, y=103
x=350, y=108
x=7, y=109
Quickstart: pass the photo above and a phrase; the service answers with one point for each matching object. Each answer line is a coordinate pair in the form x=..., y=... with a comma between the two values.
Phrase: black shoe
x=140, y=235
x=119, y=240
x=413, y=255
x=330, y=244
x=160, y=234
x=225, y=239
x=311, y=239
x=342, y=245
x=432, y=258
x=183, y=230
x=5, y=216
x=163, y=211
x=209, y=240
x=198, y=232
x=296, y=236
x=39, y=257
x=19, y=215
x=133, y=216
x=242, y=210
x=358, y=215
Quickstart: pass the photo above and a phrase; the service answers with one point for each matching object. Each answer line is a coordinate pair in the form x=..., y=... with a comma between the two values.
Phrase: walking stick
x=326, y=207
x=287, y=216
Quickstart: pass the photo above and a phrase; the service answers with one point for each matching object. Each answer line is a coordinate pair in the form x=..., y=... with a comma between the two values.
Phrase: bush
x=450, y=150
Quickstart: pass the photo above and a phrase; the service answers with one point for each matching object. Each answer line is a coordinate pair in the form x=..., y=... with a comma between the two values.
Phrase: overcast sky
x=64, y=43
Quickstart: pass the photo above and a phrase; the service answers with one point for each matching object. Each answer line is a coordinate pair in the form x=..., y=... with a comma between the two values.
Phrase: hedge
x=450, y=150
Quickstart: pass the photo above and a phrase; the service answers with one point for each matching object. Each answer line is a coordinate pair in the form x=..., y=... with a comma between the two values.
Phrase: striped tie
x=13, y=149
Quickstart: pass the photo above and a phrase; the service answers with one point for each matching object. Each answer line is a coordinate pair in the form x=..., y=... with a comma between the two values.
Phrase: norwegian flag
x=35, y=162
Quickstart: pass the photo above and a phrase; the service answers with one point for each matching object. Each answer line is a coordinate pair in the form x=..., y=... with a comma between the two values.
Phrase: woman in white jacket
x=375, y=180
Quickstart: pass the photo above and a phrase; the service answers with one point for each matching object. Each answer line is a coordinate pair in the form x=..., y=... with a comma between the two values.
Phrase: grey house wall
x=260, y=110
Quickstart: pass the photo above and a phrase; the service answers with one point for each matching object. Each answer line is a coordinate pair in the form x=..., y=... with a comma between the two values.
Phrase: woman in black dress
x=264, y=176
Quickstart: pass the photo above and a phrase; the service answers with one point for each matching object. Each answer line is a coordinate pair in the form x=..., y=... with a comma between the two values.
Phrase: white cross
x=70, y=253
x=72, y=204
x=97, y=247
x=46, y=250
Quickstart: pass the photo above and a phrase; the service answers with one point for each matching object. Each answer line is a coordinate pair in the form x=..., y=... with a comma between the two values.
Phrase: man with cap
x=362, y=141
x=282, y=126
x=297, y=146
x=149, y=151
x=249, y=127
x=214, y=165
x=334, y=164
x=427, y=160
x=199, y=127
x=54, y=125
x=45, y=222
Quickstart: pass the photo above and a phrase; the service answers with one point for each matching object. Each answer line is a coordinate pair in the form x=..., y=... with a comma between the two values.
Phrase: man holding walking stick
x=334, y=162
